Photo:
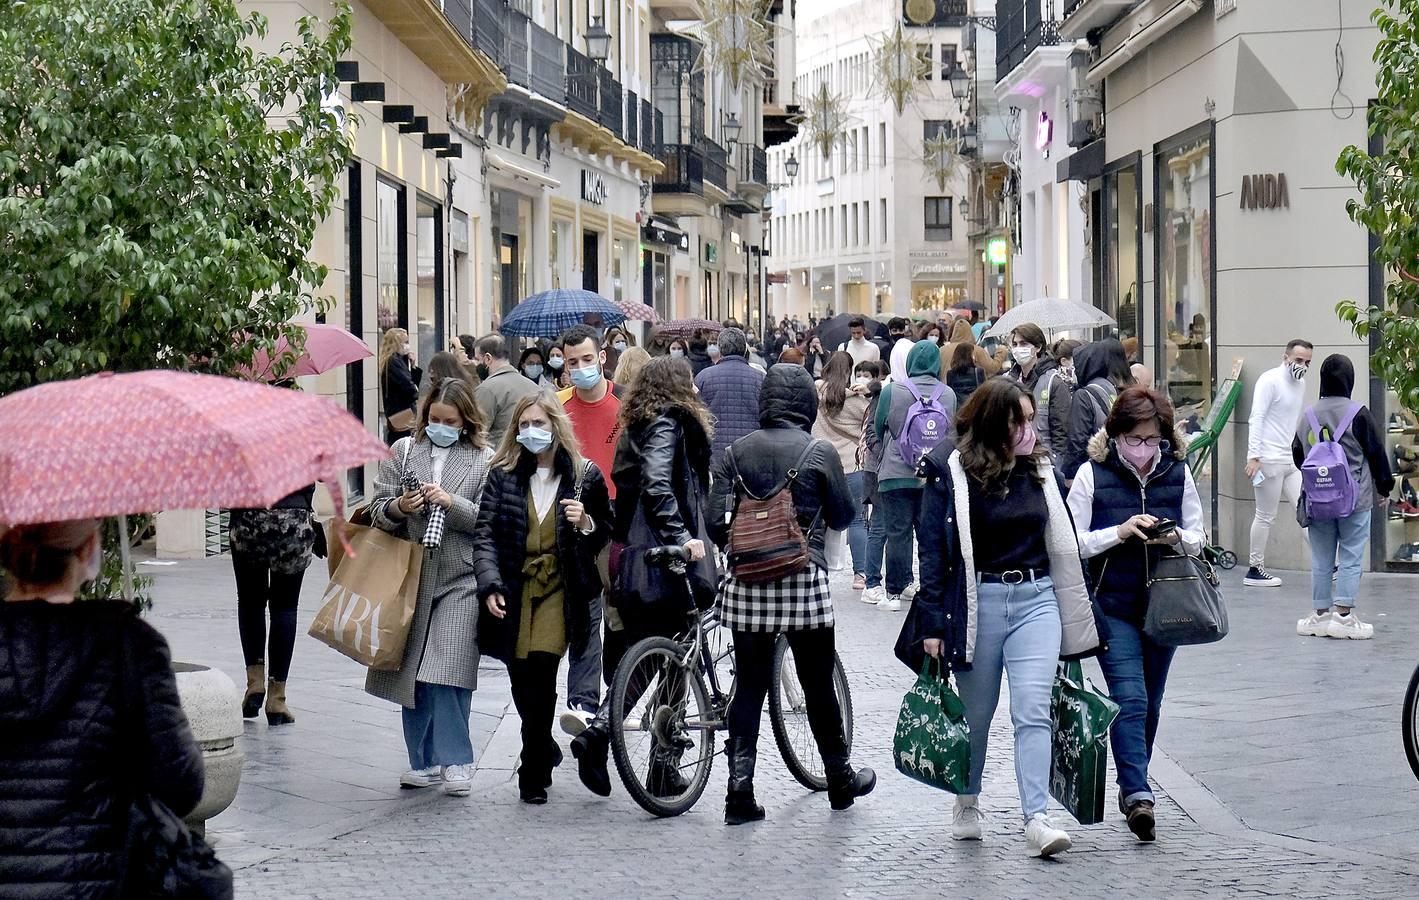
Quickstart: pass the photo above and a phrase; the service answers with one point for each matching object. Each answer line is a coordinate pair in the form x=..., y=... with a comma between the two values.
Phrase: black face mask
x=482, y=371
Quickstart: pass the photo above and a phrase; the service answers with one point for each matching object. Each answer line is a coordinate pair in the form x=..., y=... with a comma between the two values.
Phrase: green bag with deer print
x=1079, y=758
x=933, y=742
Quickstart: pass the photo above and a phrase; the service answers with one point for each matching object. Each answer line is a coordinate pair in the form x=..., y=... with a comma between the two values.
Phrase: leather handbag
x=403, y=421
x=1184, y=601
x=766, y=543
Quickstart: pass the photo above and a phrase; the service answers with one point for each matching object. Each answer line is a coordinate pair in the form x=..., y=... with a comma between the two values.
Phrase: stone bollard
x=212, y=704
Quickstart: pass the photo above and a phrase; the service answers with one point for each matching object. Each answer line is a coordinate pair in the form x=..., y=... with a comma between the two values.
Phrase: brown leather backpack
x=766, y=542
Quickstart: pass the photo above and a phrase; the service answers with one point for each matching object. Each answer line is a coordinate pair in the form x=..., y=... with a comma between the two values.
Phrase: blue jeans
x=1136, y=670
x=876, y=544
x=900, y=509
x=436, y=729
x=584, y=669
x=1018, y=633
x=857, y=531
x=1339, y=541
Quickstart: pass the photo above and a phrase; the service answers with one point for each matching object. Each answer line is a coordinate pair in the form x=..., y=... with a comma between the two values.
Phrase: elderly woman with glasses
x=1135, y=481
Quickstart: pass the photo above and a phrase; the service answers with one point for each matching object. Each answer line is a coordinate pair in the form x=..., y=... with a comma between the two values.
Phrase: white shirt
x=544, y=486
x=861, y=351
x=440, y=455
x=1275, y=412
x=1191, y=529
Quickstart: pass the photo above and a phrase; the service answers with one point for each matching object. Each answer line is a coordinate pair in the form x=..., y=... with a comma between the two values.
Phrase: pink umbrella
x=683, y=328
x=638, y=312
x=326, y=347
x=110, y=445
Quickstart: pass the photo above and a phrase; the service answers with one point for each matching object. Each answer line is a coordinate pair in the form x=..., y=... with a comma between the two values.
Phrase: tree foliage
x=161, y=181
x=1389, y=201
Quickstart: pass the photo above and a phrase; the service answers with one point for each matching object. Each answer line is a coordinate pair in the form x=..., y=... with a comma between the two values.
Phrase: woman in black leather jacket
x=800, y=605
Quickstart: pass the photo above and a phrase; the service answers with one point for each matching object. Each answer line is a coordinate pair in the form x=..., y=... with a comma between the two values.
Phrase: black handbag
x=1184, y=601
x=164, y=858
x=640, y=589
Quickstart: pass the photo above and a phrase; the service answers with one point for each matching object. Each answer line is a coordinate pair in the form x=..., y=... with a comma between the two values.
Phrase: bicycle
x=670, y=696
x=1409, y=723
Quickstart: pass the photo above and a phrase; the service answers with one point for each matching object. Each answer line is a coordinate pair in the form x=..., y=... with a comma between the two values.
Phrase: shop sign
x=659, y=234
x=941, y=268
x=996, y=252
x=711, y=252
x=1044, y=134
x=778, y=278
x=852, y=274
x=593, y=187
x=1265, y=192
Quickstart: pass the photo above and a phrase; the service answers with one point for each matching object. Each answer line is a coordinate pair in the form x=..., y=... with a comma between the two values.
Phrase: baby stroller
x=1200, y=450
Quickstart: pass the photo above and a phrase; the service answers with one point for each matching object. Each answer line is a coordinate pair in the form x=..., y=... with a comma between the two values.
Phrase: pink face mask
x=1141, y=458
x=1025, y=439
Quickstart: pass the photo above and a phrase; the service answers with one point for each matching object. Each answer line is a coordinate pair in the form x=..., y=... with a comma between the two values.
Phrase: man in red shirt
x=593, y=403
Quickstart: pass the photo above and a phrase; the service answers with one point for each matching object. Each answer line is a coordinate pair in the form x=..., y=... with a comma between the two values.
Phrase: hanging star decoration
x=898, y=66
x=736, y=35
x=940, y=158
x=823, y=119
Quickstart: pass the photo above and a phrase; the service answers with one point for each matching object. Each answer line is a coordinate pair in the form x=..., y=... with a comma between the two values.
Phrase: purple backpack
x=1326, y=478
x=927, y=424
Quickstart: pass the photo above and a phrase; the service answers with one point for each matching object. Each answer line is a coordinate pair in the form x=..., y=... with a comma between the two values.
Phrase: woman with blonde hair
x=398, y=384
x=961, y=334
x=545, y=515
x=447, y=457
x=628, y=369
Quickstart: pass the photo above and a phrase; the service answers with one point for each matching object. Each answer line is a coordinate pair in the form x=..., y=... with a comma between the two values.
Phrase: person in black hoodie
x=782, y=454
x=90, y=717
x=1101, y=371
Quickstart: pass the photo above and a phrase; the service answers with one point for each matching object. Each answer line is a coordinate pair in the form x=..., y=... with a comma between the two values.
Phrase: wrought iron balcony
x=518, y=50
x=633, y=119
x=753, y=164
x=485, y=28
x=549, y=73
x=582, y=84
x=684, y=170
x=651, y=128
x=612, y=102
x=1021, y=27
x=716, y=165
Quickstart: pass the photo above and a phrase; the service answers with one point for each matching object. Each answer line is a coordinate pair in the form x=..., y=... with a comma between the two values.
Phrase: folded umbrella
x=550, y=313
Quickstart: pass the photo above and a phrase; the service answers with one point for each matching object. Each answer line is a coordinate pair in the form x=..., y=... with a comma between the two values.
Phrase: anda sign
x=1265, y=192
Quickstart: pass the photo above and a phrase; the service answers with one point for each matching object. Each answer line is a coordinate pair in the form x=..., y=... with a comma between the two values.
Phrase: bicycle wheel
x=788, y=713
x=1409, y=726
x=662, y=728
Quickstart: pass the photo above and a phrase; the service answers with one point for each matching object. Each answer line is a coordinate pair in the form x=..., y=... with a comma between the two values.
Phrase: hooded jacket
x=73, y=748
x=788, y=406
x=923, y=365
x=1090, y=406
x=1363, y=443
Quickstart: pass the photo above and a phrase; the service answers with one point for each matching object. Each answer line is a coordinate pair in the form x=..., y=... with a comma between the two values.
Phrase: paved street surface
x=1280, y=772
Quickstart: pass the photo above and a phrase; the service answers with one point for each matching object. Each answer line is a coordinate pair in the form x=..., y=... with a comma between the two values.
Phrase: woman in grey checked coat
x=799, y=606
x=448, y=457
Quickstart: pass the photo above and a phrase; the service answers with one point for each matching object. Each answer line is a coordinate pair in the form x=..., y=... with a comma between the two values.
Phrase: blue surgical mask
x=586, y=378
x=555, y=362
x=535, y=439
x=677, y=353
x=442, y=435
x=533, y=371
x=619, y=345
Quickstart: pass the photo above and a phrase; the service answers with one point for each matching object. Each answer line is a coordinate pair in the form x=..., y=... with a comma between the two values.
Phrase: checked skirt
x=798, y=603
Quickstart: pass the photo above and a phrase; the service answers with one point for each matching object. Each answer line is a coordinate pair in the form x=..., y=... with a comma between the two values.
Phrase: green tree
x=1389, y=201
x=161, y=181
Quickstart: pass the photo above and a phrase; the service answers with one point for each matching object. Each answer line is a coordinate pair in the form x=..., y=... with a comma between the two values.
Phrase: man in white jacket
x=1275, y=409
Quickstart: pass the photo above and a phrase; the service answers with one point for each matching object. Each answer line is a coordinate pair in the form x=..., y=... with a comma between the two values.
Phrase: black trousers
x=534, y=693
x=814, y=653
x=259, y=589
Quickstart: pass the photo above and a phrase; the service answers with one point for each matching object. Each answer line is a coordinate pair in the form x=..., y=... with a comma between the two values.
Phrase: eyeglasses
x=1135, y=441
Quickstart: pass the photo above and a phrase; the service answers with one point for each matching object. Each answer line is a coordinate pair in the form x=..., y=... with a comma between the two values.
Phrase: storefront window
x=428, y=325
x=618, y=270
x=554, y=254
x=1121, y=279
x=392, y=303
x=937, y=295
x=512, y=234
x=354, y=315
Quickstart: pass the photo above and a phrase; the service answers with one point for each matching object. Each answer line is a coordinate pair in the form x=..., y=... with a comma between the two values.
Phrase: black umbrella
x=834, y=331
x=969, y=305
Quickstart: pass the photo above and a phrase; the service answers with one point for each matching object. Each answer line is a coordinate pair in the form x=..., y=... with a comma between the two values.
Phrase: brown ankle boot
x=255, y=690
x=277, y=713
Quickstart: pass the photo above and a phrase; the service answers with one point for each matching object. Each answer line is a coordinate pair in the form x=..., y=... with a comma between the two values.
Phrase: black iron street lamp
x=790, y=166
x=598, y=40
x=731, y=128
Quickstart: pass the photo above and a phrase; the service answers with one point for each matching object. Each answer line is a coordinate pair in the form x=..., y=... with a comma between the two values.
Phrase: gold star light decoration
x=940, y=159
x=737, y=38
x=823, y=119
x=898, y=66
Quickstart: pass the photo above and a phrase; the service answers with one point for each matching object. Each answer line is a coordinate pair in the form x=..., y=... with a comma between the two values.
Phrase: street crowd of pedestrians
x=1009, y=499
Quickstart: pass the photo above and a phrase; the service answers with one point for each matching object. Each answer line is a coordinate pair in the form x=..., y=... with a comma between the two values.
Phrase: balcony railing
x=684, y=170
x=549, y=74
x=1071, y=5
x=633, y=119
x=652, y=128
x=1022, y=26
x=612, y=103
x=716, y=165
x=485, y=28
x=582, y=84
x=519, y=52
x=753, y=164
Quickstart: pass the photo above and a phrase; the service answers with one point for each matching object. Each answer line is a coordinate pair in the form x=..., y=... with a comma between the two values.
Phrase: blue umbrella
x=550, y=313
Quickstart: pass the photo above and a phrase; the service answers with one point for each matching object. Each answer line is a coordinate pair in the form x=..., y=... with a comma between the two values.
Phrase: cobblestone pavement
x=1279, y=768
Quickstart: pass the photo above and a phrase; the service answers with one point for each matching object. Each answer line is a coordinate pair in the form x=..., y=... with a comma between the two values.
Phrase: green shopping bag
x=933, y=742
x=1079, y=758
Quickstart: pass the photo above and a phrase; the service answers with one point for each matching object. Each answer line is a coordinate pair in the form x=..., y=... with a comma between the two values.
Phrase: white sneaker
x=1314, y=625
x=1349, y=626
x=874, y=595
x=420, y=778
x=909, y=594
x=574, y=721
x=457, y=780
x=965, y=820
x=891, y=603
x=1044, y=839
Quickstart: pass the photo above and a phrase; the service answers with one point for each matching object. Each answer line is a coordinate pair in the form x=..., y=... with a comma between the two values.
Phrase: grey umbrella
x=1051, y=314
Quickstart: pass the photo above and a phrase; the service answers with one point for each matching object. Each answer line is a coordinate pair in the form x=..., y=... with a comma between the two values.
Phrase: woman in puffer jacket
x=74, y=753
x=1002, y=592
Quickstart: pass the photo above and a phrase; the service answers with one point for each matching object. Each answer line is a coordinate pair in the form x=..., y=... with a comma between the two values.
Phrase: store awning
x=663, y=231
x=1084, y=164
x=499, y=163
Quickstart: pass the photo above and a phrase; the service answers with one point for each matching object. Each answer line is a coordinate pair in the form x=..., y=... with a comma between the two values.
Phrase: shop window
x=937, y=211
x=391, y=258
x=554, y=254
x=1123, y=229
x=618, y=270
x=354, y=315
x=428, y=256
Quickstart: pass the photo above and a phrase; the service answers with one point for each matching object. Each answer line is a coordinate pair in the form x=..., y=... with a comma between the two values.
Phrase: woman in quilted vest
x=1002, y=592
x=545, y=514
x=1136, y=477
x=72, y=750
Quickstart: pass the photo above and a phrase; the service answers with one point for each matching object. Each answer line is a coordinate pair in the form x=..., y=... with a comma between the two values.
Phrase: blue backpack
x=927, y=424
x=1329, y=485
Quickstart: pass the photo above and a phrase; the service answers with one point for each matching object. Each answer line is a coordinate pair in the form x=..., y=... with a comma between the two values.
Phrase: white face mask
x=1024, y=355
x=861, y=381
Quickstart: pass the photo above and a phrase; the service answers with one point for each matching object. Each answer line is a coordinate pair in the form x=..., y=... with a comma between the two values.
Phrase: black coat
x=788, y=405
x=401, y=385
x=69, y=754
x=500, y=549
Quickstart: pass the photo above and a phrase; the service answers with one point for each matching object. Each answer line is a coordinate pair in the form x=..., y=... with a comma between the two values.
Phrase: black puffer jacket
x=500, y=550
x=788, y=404
x=1090, y=404
x=66, y=766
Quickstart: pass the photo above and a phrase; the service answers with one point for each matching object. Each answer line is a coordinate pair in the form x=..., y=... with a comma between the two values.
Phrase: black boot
x=589, y=750
x=665, y=778
x=739, y=805
x=845, y=785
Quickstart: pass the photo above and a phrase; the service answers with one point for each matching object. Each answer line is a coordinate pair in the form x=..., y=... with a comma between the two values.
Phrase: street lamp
x=790, y=166
x=598, y=40
x=960, y=84
x=731, y=128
